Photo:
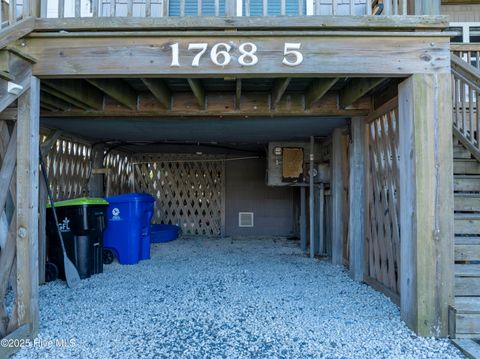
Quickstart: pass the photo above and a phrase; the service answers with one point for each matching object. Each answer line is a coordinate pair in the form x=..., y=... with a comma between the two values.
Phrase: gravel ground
x=225, y=299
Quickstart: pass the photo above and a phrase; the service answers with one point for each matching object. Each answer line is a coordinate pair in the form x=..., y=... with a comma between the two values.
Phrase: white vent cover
x=245, y=219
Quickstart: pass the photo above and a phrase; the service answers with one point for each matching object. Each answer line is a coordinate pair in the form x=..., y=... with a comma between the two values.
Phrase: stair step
x=461, y=152
x=466, y=166
x=467, y=270
x=466, y=311
x=466, y=305
x=467, y=202
x=467, y=223
x=465, y=251
x=466, y=183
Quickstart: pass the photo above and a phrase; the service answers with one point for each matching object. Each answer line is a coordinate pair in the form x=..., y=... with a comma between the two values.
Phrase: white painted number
x=215, y=54
x=220, y=54
x=245, y=54
x=174, y=55
x=290, y=50
x=202, y=47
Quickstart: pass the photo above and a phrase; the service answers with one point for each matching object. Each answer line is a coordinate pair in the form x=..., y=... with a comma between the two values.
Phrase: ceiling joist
x=77, y=91
x=160, y=91
x=356, y=89
x=117, y=89
x=198, y=92
x=318, y=89
x=279, y=88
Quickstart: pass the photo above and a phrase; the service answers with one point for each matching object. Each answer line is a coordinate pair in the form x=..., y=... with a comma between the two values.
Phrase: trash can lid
x=80, y=202
x=131, y=197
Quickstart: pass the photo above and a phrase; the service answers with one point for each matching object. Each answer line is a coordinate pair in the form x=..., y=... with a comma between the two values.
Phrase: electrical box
x=288, y=164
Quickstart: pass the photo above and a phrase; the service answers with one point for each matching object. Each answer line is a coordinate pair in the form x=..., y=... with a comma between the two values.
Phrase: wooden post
x=356, y=232
x=231, y=8
x=303, y=219
x=424, y=7
x=95, y=184
x=337, y=196
x=426, y=203
x=27, y=205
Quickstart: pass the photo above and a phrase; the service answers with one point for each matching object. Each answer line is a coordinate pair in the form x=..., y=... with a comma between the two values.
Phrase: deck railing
x=466, y=94
x=12, y=11
x=161, y=8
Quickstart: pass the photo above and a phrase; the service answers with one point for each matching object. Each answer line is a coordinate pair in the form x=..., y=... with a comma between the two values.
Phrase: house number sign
x=222, y=54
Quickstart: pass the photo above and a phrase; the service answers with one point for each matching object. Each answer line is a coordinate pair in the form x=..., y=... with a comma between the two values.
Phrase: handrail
x=466, y=96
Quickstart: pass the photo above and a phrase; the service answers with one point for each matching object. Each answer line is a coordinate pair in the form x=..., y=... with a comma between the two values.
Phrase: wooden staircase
x=465, y=313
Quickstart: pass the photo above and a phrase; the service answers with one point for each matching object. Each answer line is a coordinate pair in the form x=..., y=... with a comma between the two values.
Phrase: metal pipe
x=303, y=220
x=321, y=219
x=312, y=200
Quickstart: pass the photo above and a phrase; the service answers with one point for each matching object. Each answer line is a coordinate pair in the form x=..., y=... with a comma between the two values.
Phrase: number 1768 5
x=221, y=54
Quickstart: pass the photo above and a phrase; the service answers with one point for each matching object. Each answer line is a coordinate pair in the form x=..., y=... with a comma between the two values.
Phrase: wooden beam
x=198, y=92
x=223, y=104
x=8, y=167
x=117, y=89
x=238, y=93
x=260, y=23
x=27, y=206
x=95, y=184
x=426, y=203
x=21, y=71
x=318, y=89
x=331, y=54
x=9, y=114
x=55, y=102
x=279, y=88
x=337, y=190
x=4, y=61
x=17, y=31
x=79, y=93
x=356, y=89
x=55, y=93
x=356, y=188
x=160, y=91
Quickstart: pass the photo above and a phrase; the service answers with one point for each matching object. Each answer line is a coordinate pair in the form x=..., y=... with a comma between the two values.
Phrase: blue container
x=161, y=233
x=128, y=230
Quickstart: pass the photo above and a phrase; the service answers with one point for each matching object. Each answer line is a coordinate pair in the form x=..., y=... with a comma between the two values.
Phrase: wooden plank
x=466, y=183
x=337, y=186
x=469, y=347
x=279, y=88
x=467, y=224
x=356, y=89
x=426, y=200
x=356, y=230
x=21, y=70
x=27, y=206
x=461, y=152
x=160, y=90
x=467, y=202
x=53, y=93
x=238, y=93
x=468, y=323
x=117, y=89
x=237, y=22
x=19, y=335
x=467, y=286
x=198, y=92
x=223, y=104
x=466, y=166
x=318, y=89
x=78, y=91
x=55, y=102
x=467, y=270
x=324, y=55
x=8, y=167
x=95, y=184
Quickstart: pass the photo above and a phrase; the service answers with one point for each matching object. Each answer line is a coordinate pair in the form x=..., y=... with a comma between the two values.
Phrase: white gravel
x=223, y=298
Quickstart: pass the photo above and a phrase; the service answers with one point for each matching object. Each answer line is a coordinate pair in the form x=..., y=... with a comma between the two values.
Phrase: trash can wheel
x=108, y=256
x=51, y=272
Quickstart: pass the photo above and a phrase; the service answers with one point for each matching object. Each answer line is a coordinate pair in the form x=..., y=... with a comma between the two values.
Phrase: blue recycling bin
x=128, y=230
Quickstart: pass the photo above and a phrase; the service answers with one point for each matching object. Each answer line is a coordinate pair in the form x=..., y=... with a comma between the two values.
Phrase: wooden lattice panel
x=383, y=204
x=120, y=172
x=188, y=192
x=69, y=167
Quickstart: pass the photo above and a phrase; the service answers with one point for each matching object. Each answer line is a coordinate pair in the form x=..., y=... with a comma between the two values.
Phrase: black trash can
x=82, y=222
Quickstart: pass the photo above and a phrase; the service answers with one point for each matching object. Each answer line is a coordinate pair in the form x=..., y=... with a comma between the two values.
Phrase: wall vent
x=245, y=219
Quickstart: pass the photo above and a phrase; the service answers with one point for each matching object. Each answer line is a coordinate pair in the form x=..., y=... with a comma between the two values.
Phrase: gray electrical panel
x=288, y=164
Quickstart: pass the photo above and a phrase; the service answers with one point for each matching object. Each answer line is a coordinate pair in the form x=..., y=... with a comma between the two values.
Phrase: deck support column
x=426, y=200
x=337, y=190
x=95, y=185
x=27, y=205
x=356, y=232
